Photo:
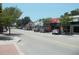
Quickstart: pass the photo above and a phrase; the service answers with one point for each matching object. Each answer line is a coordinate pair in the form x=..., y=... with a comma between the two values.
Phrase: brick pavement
x=8, y=49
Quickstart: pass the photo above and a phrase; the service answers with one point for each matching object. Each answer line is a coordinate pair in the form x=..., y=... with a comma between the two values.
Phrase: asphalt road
x=35, y=43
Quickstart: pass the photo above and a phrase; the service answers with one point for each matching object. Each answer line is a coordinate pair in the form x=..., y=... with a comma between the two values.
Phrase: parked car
x=45, y=29
x=55, y=31
x=36, y=29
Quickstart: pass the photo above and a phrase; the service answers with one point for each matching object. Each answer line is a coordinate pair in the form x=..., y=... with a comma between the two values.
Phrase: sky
x=37, y=11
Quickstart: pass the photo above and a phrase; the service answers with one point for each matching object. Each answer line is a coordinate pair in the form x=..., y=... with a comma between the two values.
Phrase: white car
x=55, y=31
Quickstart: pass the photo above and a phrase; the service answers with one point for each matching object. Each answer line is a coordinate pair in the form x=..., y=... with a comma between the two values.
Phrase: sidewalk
x=8, y=49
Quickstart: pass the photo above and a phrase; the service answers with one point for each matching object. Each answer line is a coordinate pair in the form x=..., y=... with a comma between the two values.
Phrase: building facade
x=29, y=26
x=74, y=27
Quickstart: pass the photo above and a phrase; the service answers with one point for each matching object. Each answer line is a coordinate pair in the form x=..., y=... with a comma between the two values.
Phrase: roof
x=54, y=20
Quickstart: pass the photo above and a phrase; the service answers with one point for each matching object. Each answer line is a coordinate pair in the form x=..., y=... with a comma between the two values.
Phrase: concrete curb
x=18, y=49
x=15, y=41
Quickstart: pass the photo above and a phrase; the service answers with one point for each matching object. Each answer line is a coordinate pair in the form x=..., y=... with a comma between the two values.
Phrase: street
x=36, y=43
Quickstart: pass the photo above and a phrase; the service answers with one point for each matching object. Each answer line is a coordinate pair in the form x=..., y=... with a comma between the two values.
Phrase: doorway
x=76, y=29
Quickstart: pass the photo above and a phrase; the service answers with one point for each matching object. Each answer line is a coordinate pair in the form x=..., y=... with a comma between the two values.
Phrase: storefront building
x=74, y=25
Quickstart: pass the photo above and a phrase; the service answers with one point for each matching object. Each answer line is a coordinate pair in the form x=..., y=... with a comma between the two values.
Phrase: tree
x=65, y=20
x=0, y=7
x=22, y=22
x=18, y=23
x=66, y=14
x=46, y=21
x=1, y=24
x=10, y=15
x=74, y=12
x=26, y=20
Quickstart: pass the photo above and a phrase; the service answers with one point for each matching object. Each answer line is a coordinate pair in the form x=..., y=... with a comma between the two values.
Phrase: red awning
x=54, y=20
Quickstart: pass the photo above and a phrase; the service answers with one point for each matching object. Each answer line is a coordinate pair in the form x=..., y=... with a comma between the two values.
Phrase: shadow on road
x=5, y=38
x=13, y=34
